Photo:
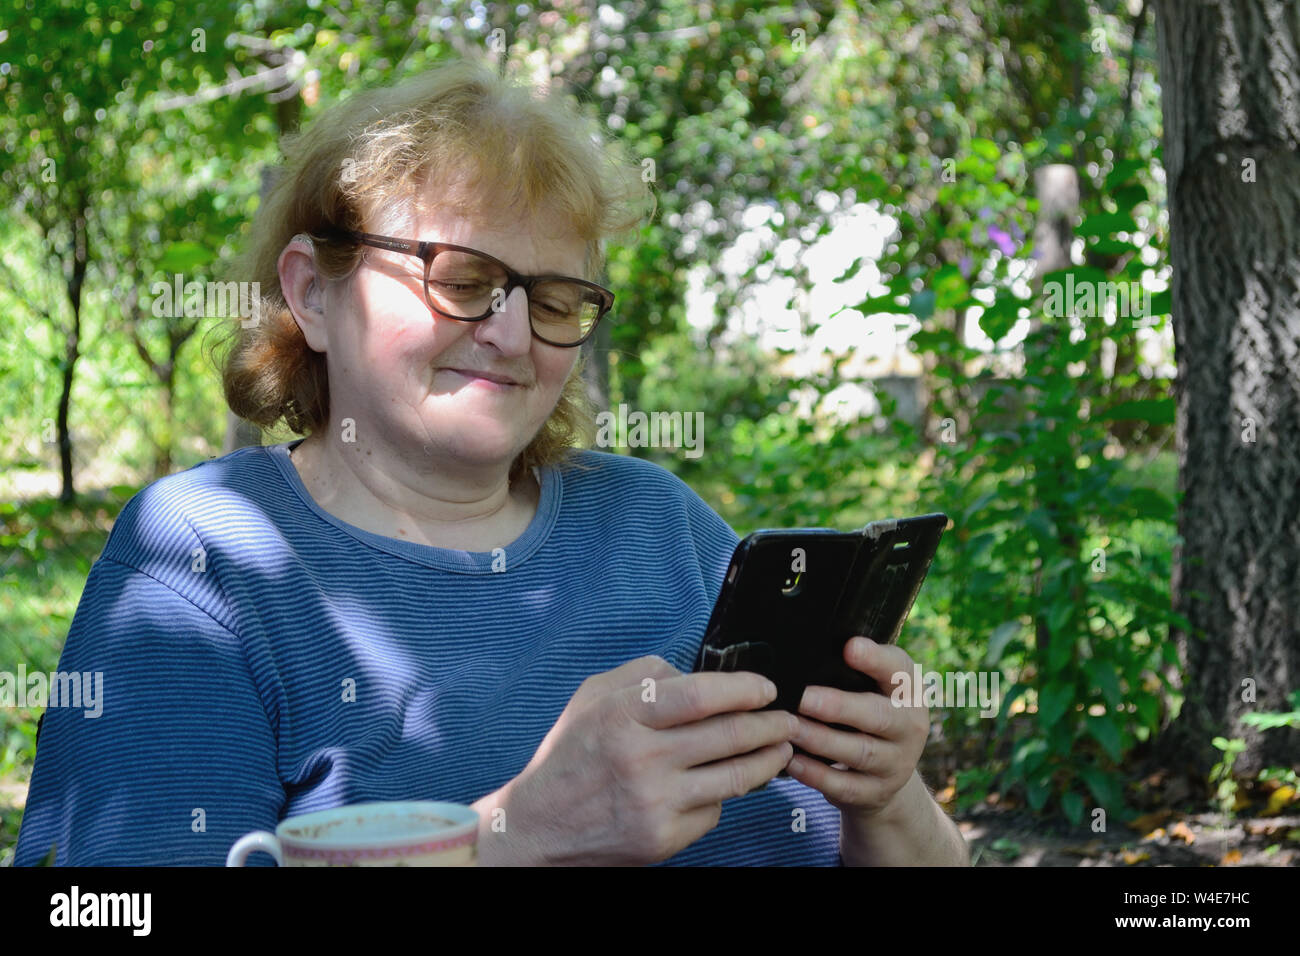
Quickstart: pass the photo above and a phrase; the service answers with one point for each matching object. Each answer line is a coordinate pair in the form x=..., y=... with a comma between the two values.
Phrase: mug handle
x=251, y=843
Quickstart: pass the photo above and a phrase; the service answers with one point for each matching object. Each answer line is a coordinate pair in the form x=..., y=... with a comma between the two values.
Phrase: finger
x=632, y=674
x=691, y=697
x=715, y=782
x=856, y=751
x=841, y=787
x=729, y=735
x=884, y=663
x=869, y=713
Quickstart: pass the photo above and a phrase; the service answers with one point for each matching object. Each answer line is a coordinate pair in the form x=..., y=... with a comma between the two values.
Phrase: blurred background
x=908, y=257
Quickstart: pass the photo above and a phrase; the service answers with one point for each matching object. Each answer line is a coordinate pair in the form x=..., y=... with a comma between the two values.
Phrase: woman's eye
x=452, y=286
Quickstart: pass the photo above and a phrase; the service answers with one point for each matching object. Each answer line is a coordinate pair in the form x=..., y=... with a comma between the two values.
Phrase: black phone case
x=792, y=599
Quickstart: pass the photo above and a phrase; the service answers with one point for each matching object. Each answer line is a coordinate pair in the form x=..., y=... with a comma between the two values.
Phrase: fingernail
x=794, y=723
x=769, y=689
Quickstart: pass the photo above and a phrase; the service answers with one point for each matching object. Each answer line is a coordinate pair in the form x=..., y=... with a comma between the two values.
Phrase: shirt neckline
x=447, y=559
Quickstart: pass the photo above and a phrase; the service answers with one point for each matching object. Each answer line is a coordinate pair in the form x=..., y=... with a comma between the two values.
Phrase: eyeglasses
x=468, y=285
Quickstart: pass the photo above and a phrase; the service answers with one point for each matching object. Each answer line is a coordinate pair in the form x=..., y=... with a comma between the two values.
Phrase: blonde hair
x=489, y=145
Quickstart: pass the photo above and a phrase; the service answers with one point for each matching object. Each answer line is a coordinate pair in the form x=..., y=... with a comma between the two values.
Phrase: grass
x=48, y=549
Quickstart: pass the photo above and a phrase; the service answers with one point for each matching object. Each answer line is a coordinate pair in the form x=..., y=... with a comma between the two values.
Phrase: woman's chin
x=477, y=447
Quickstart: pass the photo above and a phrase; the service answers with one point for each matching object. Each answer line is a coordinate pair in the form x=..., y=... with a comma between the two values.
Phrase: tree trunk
x=72, y=349
x=162, y=465
x=1229, y=80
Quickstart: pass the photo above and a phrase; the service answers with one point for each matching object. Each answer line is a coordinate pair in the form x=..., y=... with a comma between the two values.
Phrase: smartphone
x=792, y=599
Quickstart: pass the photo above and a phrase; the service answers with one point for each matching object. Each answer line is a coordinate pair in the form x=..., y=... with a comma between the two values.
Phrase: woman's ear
x=302, y=290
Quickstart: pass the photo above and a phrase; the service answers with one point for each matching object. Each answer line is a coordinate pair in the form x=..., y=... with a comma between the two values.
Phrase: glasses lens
x=466, y=285
x=462, y=283
x=564, y=311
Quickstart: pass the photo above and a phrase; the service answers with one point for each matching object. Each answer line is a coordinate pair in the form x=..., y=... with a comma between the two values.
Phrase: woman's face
x=406, y=375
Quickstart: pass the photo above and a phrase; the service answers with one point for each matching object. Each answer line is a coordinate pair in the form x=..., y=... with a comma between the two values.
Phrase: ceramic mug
x=413, y=833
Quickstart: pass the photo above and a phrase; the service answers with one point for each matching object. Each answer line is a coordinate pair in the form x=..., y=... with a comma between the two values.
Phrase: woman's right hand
x=634, y=772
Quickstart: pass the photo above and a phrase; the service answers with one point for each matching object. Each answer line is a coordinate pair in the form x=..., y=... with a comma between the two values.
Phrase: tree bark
x=72, y=345
x=1231, y=104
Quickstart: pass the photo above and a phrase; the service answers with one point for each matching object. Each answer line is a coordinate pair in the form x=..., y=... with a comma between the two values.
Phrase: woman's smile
x=487, y=380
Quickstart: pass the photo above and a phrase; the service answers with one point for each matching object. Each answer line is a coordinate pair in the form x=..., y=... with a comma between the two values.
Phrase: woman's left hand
x=879, y=758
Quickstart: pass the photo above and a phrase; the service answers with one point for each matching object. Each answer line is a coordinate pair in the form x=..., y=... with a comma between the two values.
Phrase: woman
x=433, y=596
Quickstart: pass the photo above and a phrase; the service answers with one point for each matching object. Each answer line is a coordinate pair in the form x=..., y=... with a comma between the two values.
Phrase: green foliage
x=1060, y=554
x=801, y=110
x=1221, y=778
x=47, y=549
x=1268, y=721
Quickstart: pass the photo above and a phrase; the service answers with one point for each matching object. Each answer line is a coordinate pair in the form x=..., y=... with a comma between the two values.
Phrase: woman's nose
x=508, y=327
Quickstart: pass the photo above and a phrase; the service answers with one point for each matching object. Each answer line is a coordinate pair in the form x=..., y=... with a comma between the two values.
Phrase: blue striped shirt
x=234, y=620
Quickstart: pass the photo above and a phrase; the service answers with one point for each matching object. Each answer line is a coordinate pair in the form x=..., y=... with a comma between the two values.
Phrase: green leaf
x=1266, y=721
x=1005, y=847
x=882, y=303
x=1103, y=677
x=1002, y=634
x=1061, y=649
x=1157, y=411
x=1014, y=694
x=1122, y=172
x=931, y=340
x=184, y=256
x=1072, y=804
x=1040, y=524
x=1148, y=503
x=1104, y=731
x=853, y=269
x=922, y=304
x=1037, y=790
x=999, y=318
x=1106, y=224
x=976, y=505
x=1059, y=616
x=1099, y=784
x=1106, y=246
x=1148, y=709
x=1053, y=701
x=1126, y=197
x=1029, y=755
x=985, y=149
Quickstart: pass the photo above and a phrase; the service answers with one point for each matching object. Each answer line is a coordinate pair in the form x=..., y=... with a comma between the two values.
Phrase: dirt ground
x=1175, y=825
x=999, y=837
